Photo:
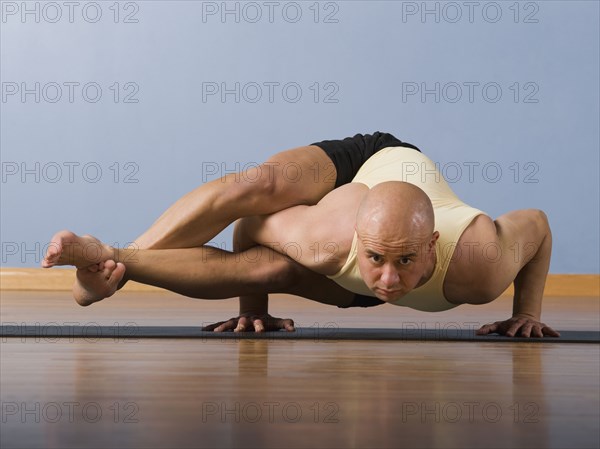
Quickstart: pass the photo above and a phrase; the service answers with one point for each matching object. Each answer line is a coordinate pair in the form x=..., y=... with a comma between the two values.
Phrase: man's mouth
x=386, y=292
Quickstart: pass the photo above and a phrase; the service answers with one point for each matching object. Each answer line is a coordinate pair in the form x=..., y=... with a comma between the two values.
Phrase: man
x=383, y=241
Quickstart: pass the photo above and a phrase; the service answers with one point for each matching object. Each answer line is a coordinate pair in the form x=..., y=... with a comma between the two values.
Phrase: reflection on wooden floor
x=226, y=393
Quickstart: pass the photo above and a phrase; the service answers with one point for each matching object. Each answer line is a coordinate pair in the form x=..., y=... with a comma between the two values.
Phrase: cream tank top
x=452, y=217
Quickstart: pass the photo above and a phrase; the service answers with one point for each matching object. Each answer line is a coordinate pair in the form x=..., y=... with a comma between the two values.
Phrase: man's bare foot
x=97, y=282
x=67, y=248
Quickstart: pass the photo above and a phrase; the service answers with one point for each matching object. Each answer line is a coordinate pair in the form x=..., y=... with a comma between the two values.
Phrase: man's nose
x=389, y=276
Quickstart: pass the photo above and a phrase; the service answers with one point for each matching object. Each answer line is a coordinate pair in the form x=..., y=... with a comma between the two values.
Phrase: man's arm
x=299, y=176
x=254, y=309
x=316, y=237
x=524, y=241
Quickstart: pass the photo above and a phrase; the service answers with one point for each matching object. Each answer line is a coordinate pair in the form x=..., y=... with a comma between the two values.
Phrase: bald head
x=395, y=211
x=396, y=247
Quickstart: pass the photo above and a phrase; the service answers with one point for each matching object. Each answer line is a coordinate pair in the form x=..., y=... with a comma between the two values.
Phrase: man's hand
x=521, y=326
x=252, y=323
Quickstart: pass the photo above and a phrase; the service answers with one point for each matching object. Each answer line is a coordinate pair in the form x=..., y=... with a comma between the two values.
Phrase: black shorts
x=363, y=301
x=349, y=154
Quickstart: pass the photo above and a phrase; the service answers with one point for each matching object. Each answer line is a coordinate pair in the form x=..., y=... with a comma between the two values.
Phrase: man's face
x=392, y=271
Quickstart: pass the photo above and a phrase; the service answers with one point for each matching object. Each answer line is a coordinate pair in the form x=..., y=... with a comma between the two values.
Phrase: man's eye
x=405, y=261
x=375, y=258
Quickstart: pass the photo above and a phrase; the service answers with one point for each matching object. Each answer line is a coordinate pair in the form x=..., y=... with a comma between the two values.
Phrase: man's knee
x=242, y=233
x=260, y=180
x=278, y=183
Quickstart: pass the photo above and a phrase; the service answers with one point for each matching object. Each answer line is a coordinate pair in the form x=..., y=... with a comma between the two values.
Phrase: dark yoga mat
x=94, y=332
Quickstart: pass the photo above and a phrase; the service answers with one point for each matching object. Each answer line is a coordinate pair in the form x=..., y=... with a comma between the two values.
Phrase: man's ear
x=434, y=238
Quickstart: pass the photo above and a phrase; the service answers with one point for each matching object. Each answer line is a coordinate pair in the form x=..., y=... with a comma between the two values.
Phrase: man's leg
x=254, y=308
x=205, y=272
x=299, y=176
x=211, y=273
x=305, y=283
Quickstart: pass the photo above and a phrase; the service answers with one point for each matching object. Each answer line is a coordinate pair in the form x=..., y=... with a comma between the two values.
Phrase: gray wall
x=503, y=95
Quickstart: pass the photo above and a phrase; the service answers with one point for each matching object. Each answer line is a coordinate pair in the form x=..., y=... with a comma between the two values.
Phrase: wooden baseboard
x=62, y=279
x=570, y=285
x=51, y=279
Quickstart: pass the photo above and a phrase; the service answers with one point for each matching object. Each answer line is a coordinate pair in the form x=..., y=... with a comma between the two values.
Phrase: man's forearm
x=255, y=305
x=529, y=283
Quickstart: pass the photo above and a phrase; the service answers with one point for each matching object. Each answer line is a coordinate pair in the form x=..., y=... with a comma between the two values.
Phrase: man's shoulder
x=472, y=260
x=332, y=227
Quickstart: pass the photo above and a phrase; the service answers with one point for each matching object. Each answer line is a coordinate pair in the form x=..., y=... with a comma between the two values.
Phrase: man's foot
x=97, y=282
x=67, y=248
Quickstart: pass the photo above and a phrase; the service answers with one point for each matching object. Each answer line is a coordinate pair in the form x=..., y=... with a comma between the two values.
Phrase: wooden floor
x=186, y=393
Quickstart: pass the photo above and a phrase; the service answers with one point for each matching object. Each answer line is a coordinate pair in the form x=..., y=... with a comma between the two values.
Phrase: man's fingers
x=221, y=326
x=537, y=332
x=258, y=325
x=487, y=329
x=524, y=327
x=227, y=326
x=288, y=325
x=526, y=330
x=213, y=326
x=483, y=330
x=514, y=327
x=546, y=330
x=249, y=323
x=242, y=324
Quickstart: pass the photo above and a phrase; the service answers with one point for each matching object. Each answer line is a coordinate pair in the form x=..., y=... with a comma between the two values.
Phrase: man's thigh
x=301, y=175
x=322, y=289
x=317, y=287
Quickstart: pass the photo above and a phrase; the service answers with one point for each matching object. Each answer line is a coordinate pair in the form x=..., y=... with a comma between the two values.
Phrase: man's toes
x=52, y=254
x=53, y=250
x=60, y=243
x=117, y=274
